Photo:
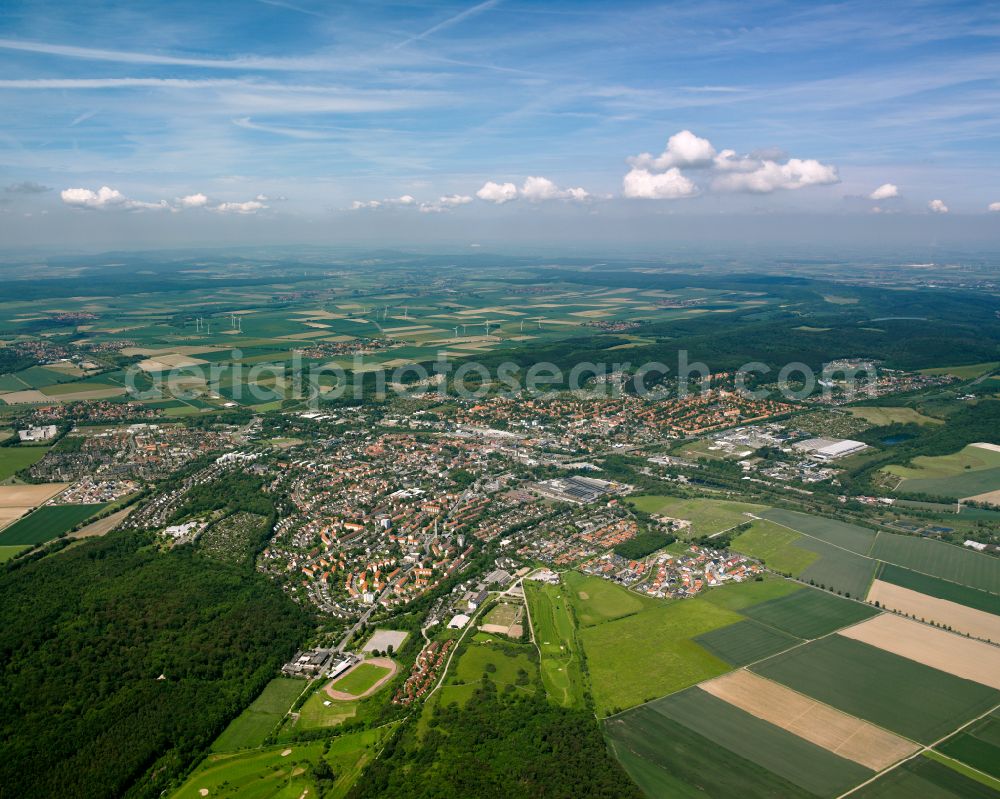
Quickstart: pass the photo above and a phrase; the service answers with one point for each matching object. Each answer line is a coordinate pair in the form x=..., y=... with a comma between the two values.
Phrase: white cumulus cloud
x=453, y=200
x=886, y=191
x=537, y=188
x=993, y=207
x=669, y=185
x=244, y=208
x=106, y=198
x=498, y=193
x=937, y=207
x=769, y=176
x=198, y=200
x=684, y=149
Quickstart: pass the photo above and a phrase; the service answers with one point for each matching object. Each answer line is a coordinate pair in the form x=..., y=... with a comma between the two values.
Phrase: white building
x=42, y=433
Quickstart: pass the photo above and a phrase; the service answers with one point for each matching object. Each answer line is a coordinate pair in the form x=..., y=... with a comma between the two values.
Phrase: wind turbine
x=456, y=331
x=522, y=325
x=463, y=330
x=487, y=328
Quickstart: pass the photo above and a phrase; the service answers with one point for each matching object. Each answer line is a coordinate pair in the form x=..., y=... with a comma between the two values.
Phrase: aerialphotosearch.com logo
x=311, y=383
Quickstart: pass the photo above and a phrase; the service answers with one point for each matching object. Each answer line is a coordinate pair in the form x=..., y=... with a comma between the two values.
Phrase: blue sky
x=451, y=114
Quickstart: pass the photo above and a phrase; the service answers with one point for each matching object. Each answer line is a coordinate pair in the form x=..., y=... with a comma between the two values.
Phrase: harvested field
x=964, y=619
x=989, y=498
x=831, y=729
x=102, y=526
x=940, y=649
x=937, y=587
x=29, y=496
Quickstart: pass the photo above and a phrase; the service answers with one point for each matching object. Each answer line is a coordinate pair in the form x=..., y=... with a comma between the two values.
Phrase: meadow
x=772, y=544
x=884, y=416
x=251, y=728
x=14, y=459
x=596, y=600
x=707, y=516
x=555, y=636
x=46, y=523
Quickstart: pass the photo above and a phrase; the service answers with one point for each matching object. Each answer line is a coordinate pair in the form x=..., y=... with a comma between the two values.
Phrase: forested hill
x=85, y=636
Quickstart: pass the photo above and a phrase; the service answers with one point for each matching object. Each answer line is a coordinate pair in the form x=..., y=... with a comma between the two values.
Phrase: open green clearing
x=899, y=694
x=360, y=679
x=847, y=536
x=809, y=766
x=745, y=642
x=667, y=759
x=317, y=714
x=969, y=458
x=270, y=773
x=253, y=725
x=939, y=559
x=46, y=523
x=925, y=778
x=977, y=745
x=8, y=552
x=596, y=600
x=772, y=544
x=810, y=613
x=882, y=417
x=650, y=654
x=707, y=516
x=942, y=589
x=552, y=622
x=503, y=663
x=13, y=459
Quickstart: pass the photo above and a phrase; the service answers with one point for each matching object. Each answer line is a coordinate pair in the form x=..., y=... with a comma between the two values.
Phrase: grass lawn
x=13, y=459
x=641, y=657
x=557, y=644
x=902, y=695
x=707, y=516
x=772, y=544
x=254, y=724
x=880, y=417
x=284, y=771
x=596, y=600
x=46, y=523
x=360, y=679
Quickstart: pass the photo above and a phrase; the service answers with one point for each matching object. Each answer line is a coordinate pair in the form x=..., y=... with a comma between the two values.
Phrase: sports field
x=896, y=693
x=667, y=759
x=797, y=760
x=284, y=771
x=360, y=679
x=745, y=642
x=809, y=613
x=13, y=459
x=46, y=523
x=557, y=644
x=652, y=653
x=847, y=536
x=707, y=516
x=596, y=600
x=949, y=561
x=260, y=719
x=772, y=544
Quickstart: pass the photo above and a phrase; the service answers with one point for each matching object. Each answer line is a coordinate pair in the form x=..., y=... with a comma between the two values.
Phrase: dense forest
x=510, y=746
x=119, y=664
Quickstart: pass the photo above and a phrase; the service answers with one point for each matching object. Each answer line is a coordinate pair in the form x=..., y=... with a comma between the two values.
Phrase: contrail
x=469, y=12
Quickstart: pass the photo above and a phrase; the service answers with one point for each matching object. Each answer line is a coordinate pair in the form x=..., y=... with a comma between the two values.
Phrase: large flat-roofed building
x=828, y=449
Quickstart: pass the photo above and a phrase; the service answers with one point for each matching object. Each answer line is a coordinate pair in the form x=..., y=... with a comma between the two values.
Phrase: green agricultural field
x=640, y=657
x=555, y=636
x=973, y=774
x=745, y=642
x=881, y=417
x=6, y=553
x=595, y=600
x=13, y=459
x=667, y=759
x=46, y=523
x=837, y=568
x=254, y=724
x=968, y=458
x=285, y=771
x=805, y=764
x=737, y=596
x=847, y=536
x=772, y=544
x=977, y=745
x=707, y=516
x=924, y=777
x=899, y=694
x=951, y=562
x=360, y=679
x=810, y=613
x=942, y=589
x=959, y=486
x=968, y=372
